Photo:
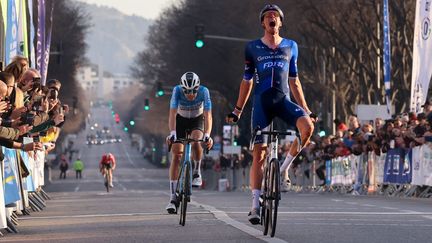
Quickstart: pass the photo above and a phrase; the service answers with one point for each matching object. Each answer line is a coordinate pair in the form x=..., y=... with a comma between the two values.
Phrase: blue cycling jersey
x=272, y=66
x=190, y=108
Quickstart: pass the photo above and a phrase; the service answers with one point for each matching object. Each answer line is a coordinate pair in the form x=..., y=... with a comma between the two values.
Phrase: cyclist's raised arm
x=247, y=82
x=297, y=91
x=244, y=93
x=294, y=81
x=245, y=86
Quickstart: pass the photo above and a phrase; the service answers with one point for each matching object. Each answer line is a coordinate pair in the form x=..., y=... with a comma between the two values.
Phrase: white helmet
x=190, y=81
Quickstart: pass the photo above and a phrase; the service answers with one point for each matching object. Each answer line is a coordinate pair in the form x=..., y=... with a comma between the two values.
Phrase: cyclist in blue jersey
x=274, y=61
x=190, y=109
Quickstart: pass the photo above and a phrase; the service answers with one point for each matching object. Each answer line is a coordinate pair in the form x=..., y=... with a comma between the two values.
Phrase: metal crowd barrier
x=23, y=178
x=398, y=173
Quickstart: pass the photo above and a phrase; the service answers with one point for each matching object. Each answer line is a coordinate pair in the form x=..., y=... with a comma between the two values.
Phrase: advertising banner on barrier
x=397, y=168
x=10, y=184
x=417, y=155
x=371, y=179
x=426, y=165
x=2, y=207
x=39, y=167
x=379, y=168
x=29, y=164
x=328, y=172
x=359, y=171
x=341, y=171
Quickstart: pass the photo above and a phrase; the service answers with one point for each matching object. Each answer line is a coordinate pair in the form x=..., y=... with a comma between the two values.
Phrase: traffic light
x=117, y=118
x=199, y=36
x=235, y=143
x=125, y=129
x=159, y=89
x=146, y=104
x=132, y=122
x=322, y=132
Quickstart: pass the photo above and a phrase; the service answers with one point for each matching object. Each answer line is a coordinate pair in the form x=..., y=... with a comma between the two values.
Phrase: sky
x=145, y=8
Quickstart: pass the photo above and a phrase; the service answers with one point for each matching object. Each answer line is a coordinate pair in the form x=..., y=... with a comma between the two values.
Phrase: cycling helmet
x=190, y=80
x=271, y=7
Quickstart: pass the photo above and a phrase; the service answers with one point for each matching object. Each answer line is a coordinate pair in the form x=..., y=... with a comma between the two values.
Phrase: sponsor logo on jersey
x=274, y=64
x=284, y=57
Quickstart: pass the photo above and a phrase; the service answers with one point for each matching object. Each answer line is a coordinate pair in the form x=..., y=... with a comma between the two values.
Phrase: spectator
x=427, y=107
x=353, y=124
x=78, y=167
x=64, y=166
x=422, y=126
x=379, y=123
x=246, y=160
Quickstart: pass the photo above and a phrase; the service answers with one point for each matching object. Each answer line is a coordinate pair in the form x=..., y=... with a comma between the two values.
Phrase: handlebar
x=258, y=131
x=186, y=140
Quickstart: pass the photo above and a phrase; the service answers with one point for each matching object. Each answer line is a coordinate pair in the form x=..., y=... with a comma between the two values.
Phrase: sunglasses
x=190, y=91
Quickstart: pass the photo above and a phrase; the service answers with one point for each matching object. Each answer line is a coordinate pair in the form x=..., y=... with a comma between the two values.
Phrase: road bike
x=271, y=195
x=184, y=182
x=107, y=177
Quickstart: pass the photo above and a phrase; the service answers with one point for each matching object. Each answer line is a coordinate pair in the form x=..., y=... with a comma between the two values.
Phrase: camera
x=37, y=83
x=37, y=102
x=53, y=94
x=36, y=139
x=27, y=118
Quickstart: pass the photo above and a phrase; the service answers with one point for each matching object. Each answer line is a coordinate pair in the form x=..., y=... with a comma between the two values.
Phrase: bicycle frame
x=271, y=180
x=186, y=160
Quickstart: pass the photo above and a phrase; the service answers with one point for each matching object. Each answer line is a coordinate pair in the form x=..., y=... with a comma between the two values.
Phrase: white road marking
x=428, y=217
x=128, y=156
x=368, y=205
x=337, y=200
x=351, y=213
x=358, y=224
x=223, y=216
x=105, y=215
x=77, y=188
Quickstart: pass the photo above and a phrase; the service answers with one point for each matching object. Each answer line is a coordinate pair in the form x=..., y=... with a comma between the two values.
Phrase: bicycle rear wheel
x=185, y=192
x=275, y=194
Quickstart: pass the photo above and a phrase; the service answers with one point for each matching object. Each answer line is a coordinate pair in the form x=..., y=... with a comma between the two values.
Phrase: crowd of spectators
x=31, y=113
x=404, y=131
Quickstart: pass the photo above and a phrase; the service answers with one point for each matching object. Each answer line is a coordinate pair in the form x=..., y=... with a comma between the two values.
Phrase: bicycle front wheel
x=275, y=194
x=107, y=179
x=185, y=191
x=265, y=215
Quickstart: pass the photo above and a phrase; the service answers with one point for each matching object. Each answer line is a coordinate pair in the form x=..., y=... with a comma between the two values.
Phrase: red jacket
x=108, y=158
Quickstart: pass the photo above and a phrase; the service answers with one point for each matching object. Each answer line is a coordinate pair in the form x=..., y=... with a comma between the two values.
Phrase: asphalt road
x=81, y=211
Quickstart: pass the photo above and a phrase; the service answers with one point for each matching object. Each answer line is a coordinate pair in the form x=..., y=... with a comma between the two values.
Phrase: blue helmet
x=271, y=7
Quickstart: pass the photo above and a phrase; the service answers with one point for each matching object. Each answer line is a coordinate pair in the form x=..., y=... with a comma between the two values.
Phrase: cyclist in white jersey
x=190, y=109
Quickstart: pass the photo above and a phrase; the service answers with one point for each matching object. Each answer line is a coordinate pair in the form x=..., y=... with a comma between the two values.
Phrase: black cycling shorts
x=108, y=166
x=183, y=124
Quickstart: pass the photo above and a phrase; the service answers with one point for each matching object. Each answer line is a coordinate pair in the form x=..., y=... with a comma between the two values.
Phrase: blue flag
x=11, y=48
x=386, y=59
